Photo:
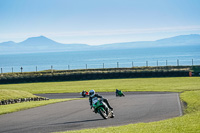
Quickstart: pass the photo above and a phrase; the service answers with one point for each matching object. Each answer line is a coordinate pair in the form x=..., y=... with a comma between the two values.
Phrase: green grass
x=4, y=109
x=189, y=123
x=193, y=101
x=176, y=84
x=14, y=94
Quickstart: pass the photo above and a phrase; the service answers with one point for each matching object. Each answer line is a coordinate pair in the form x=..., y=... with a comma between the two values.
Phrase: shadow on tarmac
x=71, y=122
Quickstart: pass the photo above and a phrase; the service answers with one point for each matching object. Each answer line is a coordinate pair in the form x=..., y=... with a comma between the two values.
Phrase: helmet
x=92, y=93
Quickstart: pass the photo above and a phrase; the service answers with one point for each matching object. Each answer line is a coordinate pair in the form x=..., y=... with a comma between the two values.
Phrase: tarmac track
x=135, y=107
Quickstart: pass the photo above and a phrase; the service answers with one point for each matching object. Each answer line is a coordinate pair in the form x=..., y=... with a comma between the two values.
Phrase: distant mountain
x=182, y=40
x=44, y=44
x=44, y=41
x=7, y=43
x=39, y=44
x=38, y=41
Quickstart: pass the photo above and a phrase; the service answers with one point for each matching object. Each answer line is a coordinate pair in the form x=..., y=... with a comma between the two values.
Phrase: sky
x=97, y=22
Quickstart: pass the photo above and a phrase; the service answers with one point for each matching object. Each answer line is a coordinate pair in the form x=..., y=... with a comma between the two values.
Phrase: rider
x=83, y=93
x=94, y=97
x=117, y=92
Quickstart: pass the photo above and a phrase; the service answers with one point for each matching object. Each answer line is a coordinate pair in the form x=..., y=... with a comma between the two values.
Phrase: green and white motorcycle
x=102, y=108
x=119, y=93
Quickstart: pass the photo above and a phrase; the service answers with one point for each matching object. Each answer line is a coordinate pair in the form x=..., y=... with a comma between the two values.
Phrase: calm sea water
x=100, y=59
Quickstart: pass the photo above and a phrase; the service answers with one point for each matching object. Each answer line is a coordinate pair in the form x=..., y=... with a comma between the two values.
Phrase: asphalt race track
x=76, y=114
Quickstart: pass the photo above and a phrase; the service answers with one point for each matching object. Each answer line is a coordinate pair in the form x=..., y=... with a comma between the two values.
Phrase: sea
x=124, y=58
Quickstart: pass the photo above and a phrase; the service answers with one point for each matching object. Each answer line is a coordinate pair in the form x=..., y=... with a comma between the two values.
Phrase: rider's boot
x=106, y=101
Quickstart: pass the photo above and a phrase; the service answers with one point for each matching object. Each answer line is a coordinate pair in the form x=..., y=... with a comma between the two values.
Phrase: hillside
x=44, y=44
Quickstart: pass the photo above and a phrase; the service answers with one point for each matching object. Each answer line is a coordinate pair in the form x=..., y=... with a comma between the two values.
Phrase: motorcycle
x=84, y=93
x=119, y=93
x=102, y=108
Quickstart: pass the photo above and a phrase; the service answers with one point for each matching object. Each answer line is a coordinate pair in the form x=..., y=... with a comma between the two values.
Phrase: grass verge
x=4, y=109
x=175, y=84
x=189, y=123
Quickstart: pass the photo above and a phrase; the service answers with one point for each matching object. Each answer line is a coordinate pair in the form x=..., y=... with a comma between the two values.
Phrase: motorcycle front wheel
x=103, y=113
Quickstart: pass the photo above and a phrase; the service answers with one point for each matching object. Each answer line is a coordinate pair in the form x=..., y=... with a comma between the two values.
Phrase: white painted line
x=179, y=105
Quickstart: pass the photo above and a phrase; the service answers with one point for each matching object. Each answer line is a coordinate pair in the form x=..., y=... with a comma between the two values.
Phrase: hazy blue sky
x=98, y=21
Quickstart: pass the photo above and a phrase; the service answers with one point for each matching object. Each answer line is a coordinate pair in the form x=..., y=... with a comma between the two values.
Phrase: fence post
x=132, y=64
x=177, y=62
x=1, y=70
x=117, y=64
x=51, y=69
x=146, y=63
x=103, y=65
x=36, y=68
x=21, y=69
x=86, y=66
x=166, y=63
x=12, y=69
x=157, y=63
x=192, y=62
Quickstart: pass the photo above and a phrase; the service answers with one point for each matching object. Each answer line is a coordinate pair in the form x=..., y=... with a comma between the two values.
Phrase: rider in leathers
x=94, y=97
